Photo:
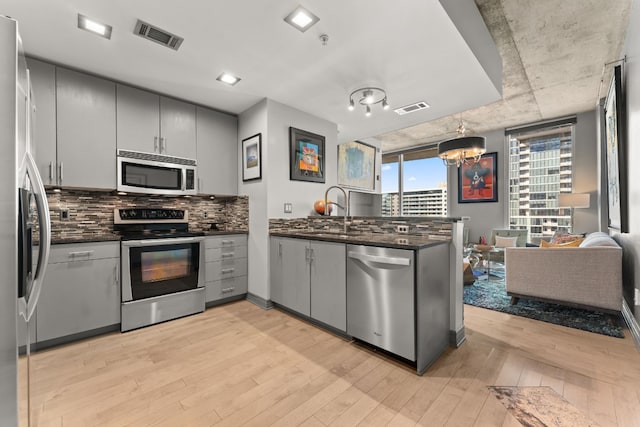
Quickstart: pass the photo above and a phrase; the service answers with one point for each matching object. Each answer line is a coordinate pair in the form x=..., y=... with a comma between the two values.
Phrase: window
x=414, y=183
x=540, y=168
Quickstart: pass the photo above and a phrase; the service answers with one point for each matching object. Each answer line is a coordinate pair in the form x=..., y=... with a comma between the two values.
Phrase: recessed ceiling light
x=95, y=27
x=228, y=78
x=301, y=19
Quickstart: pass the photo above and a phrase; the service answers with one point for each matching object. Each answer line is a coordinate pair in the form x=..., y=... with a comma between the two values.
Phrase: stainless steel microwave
x=150, y=173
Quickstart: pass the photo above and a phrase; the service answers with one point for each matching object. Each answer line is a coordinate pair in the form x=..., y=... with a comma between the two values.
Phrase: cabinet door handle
x=155, y=144
x=280, y=249
x=311, y=255
x=60, y=171
x=80, y=253
x=227, y=242
x=163, y=145
x=227, y=290
x=227, y=270
x=229, y=255
x=50, y=171
x=116, y=276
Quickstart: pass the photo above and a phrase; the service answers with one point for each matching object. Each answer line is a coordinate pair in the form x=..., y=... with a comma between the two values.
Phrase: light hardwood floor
x=240, y=365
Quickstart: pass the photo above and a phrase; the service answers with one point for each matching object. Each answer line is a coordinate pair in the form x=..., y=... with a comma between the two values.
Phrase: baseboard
x=259, y=301
x=456, y=338
x=631, y=322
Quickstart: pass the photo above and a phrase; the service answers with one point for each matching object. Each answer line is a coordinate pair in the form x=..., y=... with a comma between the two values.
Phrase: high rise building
x=429, y=202
x=540, y=167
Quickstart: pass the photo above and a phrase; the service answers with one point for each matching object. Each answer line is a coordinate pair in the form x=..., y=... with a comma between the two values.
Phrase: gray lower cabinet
x=217, y=144
x=225, y=267
x=309, y=277
x=81, y=291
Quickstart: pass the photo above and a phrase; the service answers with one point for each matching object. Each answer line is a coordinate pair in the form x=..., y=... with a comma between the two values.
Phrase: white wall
x=631, y=240
x=585, y=171
x=251, y=122
x=281, y=189
x=483, y=216
x=268, y=195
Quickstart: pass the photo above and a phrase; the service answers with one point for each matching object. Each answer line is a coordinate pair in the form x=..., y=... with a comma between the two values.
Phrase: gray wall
x=631, y=240
x=483, y=217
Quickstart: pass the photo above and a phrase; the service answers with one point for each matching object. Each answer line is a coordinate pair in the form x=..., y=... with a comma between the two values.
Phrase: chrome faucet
x=345, y=208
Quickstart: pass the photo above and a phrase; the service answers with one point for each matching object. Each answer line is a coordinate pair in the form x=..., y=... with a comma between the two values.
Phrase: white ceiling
x=410, y=48
x=553, y=55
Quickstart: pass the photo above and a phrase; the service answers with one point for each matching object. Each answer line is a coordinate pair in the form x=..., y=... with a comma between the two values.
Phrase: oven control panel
x=148, y=215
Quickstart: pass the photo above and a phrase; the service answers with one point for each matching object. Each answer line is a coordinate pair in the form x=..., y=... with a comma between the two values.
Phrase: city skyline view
x=418, y=175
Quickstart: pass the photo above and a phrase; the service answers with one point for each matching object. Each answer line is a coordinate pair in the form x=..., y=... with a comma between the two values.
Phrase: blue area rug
x=492, y=294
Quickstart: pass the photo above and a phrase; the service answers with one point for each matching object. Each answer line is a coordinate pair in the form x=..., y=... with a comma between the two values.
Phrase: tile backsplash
x=91, y=212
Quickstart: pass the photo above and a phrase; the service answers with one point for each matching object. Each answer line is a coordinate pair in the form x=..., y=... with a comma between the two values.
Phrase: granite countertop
x=114, y=237
x=404, y=241
x=222, y=232
x=85, y=238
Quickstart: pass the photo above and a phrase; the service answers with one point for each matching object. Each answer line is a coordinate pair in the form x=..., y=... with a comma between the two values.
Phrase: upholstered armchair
x=519, y=235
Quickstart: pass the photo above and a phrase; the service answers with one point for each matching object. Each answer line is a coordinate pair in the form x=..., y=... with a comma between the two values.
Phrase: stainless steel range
x=161, y=260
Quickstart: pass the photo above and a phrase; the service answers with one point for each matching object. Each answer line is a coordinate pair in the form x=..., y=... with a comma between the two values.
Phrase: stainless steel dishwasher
x=380, y=298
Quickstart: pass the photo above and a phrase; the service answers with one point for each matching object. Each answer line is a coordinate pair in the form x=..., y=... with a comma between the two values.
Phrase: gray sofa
x=588, y=276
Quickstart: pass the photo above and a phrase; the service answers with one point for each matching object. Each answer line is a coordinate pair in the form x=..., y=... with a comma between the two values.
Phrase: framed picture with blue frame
x=306, y=152
x=478, y=181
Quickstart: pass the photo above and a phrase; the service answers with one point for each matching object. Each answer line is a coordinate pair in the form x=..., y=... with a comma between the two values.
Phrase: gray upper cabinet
x=86, y=130
x=43, y=81
x=217, y=143
x=178, y=128
x=155, y=124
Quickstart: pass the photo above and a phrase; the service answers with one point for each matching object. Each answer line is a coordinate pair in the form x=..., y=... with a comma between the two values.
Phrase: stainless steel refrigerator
x=23, y=212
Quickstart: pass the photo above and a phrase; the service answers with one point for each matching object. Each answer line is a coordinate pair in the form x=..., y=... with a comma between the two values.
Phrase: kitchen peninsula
x=398, y=292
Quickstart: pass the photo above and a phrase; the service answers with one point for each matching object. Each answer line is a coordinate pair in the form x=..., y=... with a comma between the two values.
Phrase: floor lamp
x=574, y=201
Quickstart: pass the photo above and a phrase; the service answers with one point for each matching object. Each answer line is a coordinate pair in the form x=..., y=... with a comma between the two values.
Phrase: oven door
x=154, y=267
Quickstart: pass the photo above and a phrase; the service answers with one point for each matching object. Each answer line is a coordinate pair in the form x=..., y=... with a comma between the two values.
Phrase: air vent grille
x=155, y=34
x=411, y=108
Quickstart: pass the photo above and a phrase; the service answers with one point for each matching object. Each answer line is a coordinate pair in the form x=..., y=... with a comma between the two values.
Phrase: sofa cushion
x=598, y=239
x=570, y=244
x=506, y=242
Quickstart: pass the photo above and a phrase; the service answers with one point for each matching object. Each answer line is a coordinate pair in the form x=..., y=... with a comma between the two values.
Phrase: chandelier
x=460, y=150
x=368, y=96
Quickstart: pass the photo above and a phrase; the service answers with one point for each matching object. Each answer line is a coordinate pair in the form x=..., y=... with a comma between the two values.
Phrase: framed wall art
x=615, y=153
x=306, y=153
x=357, y=165
x=252, y=158
x=478, y=182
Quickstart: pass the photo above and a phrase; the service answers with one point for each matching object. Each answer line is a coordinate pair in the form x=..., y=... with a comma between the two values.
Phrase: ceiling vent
x=157, y=35
x=411, y=108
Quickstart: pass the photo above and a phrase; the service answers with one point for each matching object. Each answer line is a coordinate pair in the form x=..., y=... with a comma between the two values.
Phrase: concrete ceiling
x=413, y=49
x=553, y=55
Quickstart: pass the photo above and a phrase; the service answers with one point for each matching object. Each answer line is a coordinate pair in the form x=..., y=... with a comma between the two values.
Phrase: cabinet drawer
x=226, y=268
x=227, y=241
x=214, y=254
x=84, y=252
x=226, y=288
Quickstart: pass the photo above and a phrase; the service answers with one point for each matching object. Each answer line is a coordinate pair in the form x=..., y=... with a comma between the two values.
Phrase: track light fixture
x=368, y=96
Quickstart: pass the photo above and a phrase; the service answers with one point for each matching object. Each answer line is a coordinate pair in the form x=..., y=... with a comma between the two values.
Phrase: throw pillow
x=599, y=240
x=571, y=244
x=564, y=237
x=506, y=242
